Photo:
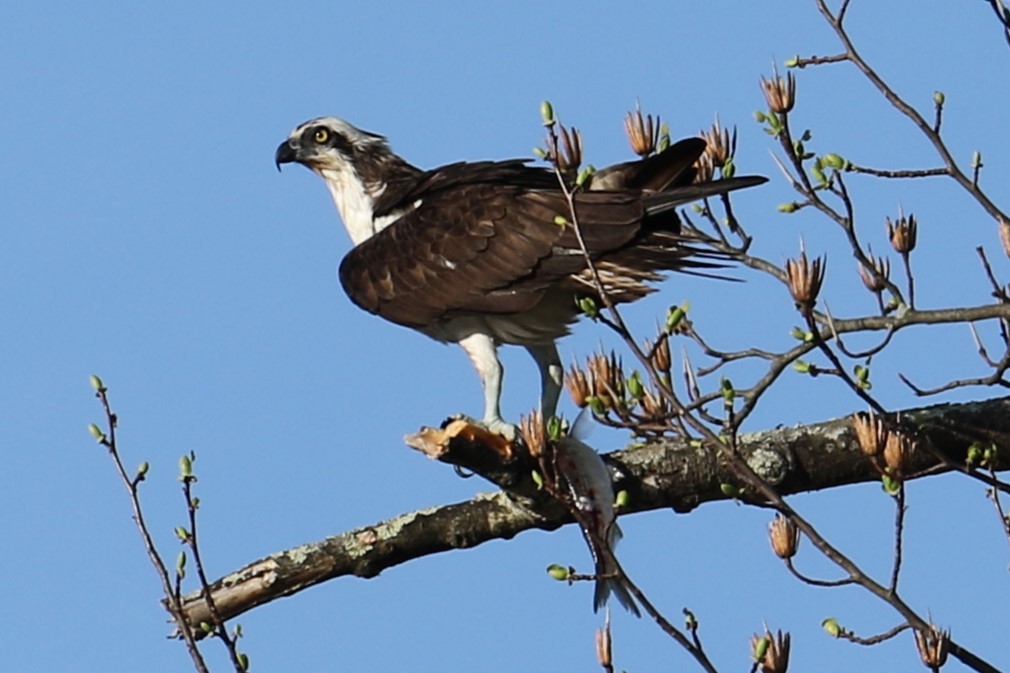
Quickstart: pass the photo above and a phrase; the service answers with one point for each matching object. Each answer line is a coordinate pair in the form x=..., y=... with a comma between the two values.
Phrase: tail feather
x=656, y=204
x=663, y=170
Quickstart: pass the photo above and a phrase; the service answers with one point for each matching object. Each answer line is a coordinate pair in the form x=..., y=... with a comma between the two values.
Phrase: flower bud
x=771, y=652
x=780, y=92
x=933, y=645
x=533, y=433
x=661, y=355
x=656, y=407
x=903, y=233
x=720, y=144
x=870, y=432
x=570, y=150
x=578, y=386
x=784, y=536
x=703, y=170
x=642, y=132
x=897, y=451
x=874, y=278
x=804, y=280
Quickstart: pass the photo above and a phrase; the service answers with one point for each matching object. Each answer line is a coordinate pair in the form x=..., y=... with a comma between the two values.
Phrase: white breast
x=356, y=205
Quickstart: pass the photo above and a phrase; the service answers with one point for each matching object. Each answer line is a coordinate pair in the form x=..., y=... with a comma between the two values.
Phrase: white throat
x=356, y=205
x=352, y=201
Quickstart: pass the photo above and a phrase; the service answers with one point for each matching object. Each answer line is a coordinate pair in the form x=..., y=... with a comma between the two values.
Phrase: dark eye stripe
x=334, y=139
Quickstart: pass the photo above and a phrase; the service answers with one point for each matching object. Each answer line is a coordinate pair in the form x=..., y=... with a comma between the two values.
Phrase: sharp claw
x=506, y=430
x=495, y=425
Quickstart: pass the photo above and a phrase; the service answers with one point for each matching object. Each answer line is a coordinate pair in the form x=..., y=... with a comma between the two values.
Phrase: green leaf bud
x=635, y=387
x=833, y=160
x=185, y=467
x=559, y=572
x=830, y=625
x=588, y=306
x=729, y=490
x=547, y=113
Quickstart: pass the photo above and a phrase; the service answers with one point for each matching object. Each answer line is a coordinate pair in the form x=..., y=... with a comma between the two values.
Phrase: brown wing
x=480, y=249
x=483, y=237
x=512, y=172
x=670, y=168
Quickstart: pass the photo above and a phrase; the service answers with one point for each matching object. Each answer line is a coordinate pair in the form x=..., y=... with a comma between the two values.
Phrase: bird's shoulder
x=444, y=183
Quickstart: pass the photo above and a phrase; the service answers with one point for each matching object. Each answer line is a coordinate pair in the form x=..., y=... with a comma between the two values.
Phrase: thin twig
x=845, y=581
x=220, y=627
x=873, y=640
x=899, y=528
x=174, y=602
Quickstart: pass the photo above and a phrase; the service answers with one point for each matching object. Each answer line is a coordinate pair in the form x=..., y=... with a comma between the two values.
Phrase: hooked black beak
x=285, y=154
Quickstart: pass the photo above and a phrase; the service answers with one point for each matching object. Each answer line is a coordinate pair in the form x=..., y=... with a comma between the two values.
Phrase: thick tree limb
x=656, y=475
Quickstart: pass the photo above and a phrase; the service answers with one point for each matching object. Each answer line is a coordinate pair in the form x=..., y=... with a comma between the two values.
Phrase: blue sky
x=148, y=238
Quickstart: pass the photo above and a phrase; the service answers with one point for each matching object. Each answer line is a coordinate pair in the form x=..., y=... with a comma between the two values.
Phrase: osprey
x=473, y=252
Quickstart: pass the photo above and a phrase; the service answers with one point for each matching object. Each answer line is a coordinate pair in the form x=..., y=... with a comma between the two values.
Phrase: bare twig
x=845, y=634
x=173, y=598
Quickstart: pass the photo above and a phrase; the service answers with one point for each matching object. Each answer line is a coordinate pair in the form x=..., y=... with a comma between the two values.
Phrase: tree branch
x=657, y=475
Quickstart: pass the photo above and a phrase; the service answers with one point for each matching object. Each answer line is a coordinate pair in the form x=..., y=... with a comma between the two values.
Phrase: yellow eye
x=321, y=136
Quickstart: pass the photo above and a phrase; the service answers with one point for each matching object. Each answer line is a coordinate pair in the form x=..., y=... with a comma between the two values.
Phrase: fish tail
x=611, y=580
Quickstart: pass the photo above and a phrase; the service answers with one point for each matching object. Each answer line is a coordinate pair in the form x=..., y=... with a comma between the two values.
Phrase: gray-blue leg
x=552, y=376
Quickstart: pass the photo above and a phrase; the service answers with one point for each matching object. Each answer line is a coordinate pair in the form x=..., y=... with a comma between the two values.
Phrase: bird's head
x=357, y=167
x=331, y=144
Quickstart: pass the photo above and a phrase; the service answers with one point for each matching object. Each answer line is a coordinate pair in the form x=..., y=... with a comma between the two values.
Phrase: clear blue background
x=147, y=237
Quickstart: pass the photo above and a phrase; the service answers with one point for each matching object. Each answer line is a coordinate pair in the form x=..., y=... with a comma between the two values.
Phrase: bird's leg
x=551, y=376
x=484, y=356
